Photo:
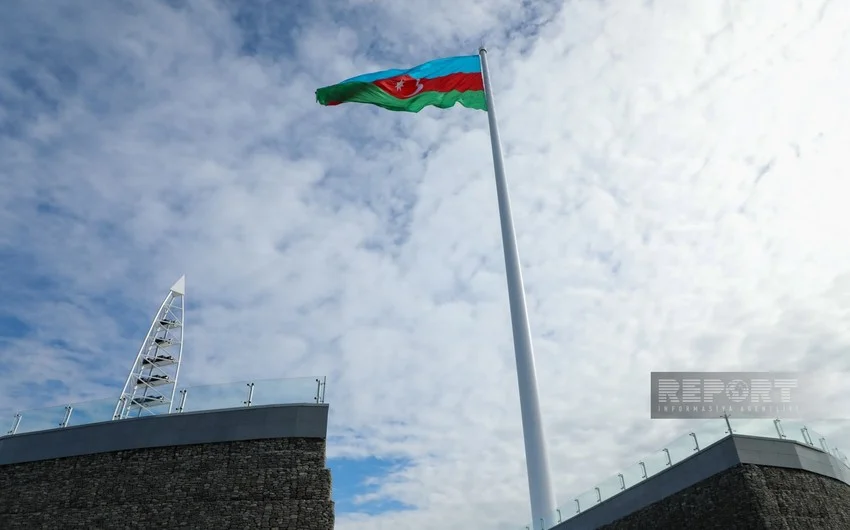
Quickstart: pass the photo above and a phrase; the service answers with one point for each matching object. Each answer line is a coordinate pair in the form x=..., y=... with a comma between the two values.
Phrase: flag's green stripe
x=370, y=93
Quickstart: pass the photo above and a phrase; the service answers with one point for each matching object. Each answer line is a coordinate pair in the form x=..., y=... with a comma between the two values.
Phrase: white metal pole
x=540, y=488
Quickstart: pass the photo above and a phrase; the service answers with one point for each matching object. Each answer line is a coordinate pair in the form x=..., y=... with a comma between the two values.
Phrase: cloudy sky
x=679, y=192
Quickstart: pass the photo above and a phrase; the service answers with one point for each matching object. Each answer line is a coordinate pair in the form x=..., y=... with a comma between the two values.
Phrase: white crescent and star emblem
x=399, y=87
x=402, y=87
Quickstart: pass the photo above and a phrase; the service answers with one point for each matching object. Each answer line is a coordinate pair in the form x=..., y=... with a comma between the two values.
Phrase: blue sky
x=143, y=141
x=355, y=479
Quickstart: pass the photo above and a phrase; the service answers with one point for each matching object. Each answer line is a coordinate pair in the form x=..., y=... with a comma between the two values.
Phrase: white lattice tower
x=152, y=383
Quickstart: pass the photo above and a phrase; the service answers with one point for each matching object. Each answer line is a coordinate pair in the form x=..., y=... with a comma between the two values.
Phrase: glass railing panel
x=656, y=462
x=824, y=444
x=284, y=391
x=559, y=517
x=41, y=419
x=710, y=432
x=588, y=499
x=634, y=475
x=567, y=511
x=839, y=454
x=797, y=431
x=819, y=441
x=92, y=411
x=196, y=398
x=682, y=447
x=611, y=486
x=763, y=427
x=212, y=397
x=542, y=524
x=7, y=421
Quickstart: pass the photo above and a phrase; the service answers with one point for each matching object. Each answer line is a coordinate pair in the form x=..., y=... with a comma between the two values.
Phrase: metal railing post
x=119, y=408
x=15, y=423
x=728, y=423
x=68, y=410
x=806, y=437
x=250, y=395
x=777, y=424
x=182, y=405
x=696, y=442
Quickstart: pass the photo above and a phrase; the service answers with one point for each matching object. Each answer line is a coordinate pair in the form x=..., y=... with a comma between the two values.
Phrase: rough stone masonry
x=750, y=497
x=266, y=484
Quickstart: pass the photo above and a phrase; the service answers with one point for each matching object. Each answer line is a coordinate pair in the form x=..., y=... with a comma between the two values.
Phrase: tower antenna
x=152, y=382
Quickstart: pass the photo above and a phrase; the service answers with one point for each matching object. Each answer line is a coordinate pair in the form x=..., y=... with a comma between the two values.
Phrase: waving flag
x=441, y=83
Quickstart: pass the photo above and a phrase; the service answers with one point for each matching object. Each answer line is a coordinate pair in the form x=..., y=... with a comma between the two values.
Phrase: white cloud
x=676, y=170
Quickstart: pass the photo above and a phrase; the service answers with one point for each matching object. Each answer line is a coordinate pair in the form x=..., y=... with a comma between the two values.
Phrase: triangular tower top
x=179, y=286
x=152, y=382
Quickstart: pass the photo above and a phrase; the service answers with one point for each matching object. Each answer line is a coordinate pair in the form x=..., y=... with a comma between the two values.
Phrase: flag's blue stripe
x=470, y=64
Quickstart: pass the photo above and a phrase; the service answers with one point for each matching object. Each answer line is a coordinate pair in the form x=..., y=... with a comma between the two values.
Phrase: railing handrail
x=312, y=390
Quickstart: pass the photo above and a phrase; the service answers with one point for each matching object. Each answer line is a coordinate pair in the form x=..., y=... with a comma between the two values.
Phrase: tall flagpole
x=540, y=489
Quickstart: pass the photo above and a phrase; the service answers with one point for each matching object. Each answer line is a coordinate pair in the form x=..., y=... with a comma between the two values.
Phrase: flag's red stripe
x=462, y=82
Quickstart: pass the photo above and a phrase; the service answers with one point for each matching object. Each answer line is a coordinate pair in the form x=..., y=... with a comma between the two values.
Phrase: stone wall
x=272, y=483
x=750, y=497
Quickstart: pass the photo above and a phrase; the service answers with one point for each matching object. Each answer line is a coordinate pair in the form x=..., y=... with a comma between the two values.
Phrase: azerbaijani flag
x=441, y=83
